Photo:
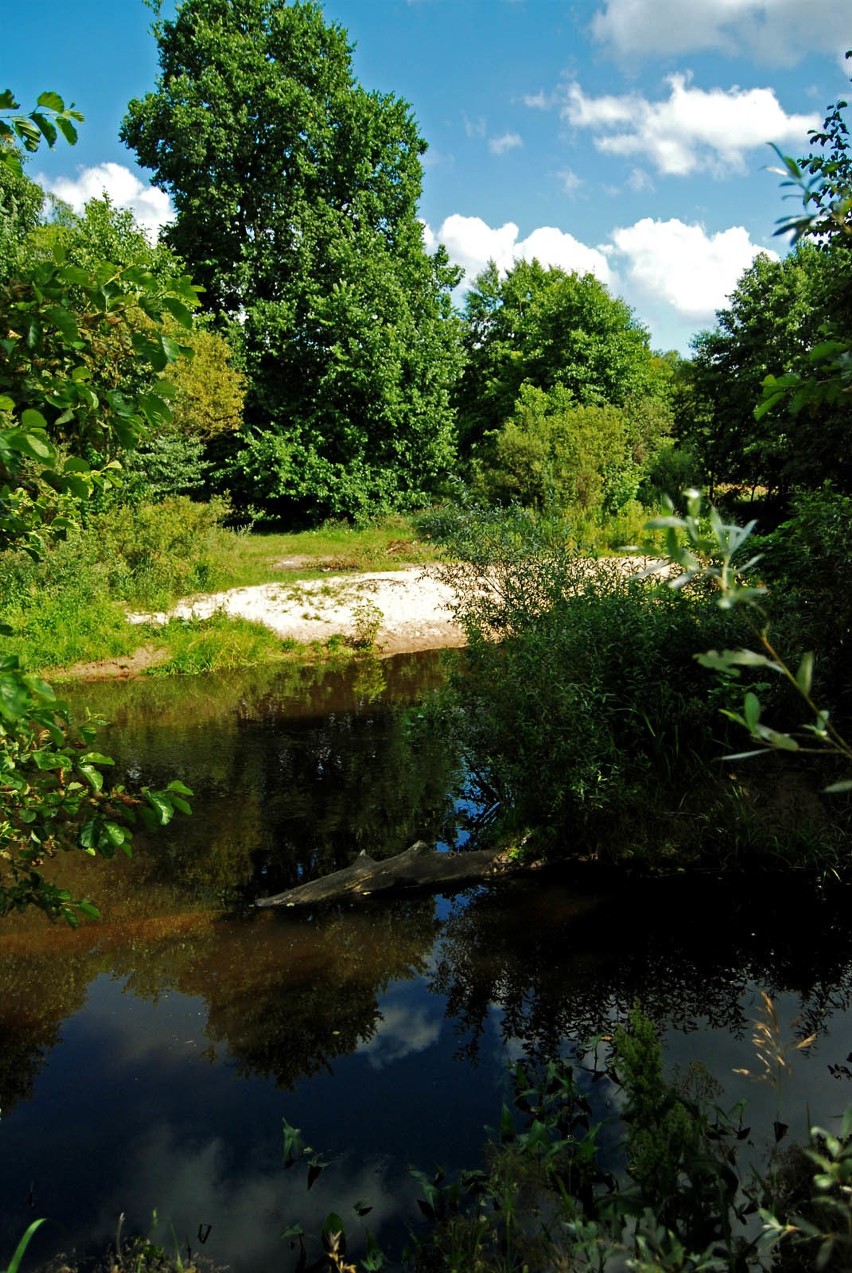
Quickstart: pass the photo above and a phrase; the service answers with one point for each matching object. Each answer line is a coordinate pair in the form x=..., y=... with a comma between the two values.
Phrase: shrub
x=582, y=709
x=162, y=551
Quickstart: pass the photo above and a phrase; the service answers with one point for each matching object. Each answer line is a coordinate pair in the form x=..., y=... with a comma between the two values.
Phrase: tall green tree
x=296, y=195
x=546, y=327
x=779, y=312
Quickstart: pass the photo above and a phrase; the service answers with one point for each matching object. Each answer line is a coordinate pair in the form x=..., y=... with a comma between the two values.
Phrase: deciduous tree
x=546, y=327
x=296, y=196
x=53, y=315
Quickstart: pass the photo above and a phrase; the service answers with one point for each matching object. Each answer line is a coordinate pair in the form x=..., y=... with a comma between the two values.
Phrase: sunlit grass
x=388, y=544
x=218, y=644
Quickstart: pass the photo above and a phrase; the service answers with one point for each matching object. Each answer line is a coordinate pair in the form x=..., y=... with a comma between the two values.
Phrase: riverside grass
x=71, y=607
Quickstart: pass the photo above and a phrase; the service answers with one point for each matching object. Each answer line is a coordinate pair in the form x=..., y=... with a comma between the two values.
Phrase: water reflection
x=562, y=962
x=147, y=1061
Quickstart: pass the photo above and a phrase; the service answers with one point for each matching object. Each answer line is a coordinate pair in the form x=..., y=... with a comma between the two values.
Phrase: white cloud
x=570, y=181
x=674, y=275
x=507, y=141
x=539, y=101
x=692, y=130
x=472, y=243
x=402, y=1031
x=474, y=127
x=683, y=265
x=778, y=32
x=150, y=207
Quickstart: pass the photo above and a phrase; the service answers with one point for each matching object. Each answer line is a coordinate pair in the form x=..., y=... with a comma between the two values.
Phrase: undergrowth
x=218, y=644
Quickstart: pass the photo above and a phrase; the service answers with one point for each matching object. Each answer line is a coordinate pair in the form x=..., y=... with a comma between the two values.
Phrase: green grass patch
x=218, y=644
x=67, y=629
x=387, y=544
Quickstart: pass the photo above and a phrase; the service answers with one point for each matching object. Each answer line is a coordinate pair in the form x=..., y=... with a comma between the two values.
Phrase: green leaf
x=32, y=419
x=837, y=787
x=69, y=132
x=65, y=323
x=115, y=834
x=161, y=807
x=21, y=1248
x=180, y=787
x=723, y=660
x=51, y=101
x=46, y=127
x=751, y=711
x=804, y=676
x=35, y=445
x=178, y=310
x=93, y=776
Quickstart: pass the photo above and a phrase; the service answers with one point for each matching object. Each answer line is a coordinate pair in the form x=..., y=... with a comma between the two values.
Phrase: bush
x=70, y=606
x=808, y=564
x=555, y=451
x=582, y=710
x=159, y=552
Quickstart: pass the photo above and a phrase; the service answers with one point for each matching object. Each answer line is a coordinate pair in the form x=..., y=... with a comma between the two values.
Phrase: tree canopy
x=543, y=326
x=296, y=195
x=779, y=312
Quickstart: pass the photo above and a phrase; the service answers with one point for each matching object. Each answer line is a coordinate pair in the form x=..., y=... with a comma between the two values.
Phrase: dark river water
x=147, y=1061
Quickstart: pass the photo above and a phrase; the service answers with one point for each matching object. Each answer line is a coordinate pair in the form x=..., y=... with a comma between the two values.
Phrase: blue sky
x=625, y=137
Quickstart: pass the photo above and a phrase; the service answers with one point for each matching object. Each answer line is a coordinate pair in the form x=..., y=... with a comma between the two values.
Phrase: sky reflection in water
x=147, y=1062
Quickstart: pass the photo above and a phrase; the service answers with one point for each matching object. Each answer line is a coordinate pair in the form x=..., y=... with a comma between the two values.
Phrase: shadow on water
x=147, y=1060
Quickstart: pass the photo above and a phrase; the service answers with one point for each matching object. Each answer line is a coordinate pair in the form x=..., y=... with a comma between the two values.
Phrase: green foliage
x=581, y=711
x=44, y=123
x=706, y=551
x=548, y=328
x=296, y=194
x=217, y=644
x=823, y=181
x=545, y=1198
x=554, y=451
x=776, y=325
x=163, y=551
x=210, y=388
x=54, y=799
x=55, y=318
x=807, y=565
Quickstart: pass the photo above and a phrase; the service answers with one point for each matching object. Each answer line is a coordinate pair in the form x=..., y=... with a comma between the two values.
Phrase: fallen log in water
x=420, y=867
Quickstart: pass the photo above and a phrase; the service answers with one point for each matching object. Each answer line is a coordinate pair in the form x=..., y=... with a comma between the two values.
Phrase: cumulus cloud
x=150, y=207
x=683, y=265
x=778, y=32
x=506, y=141
x=692, y=129
x=675, y=275
x=472, y=243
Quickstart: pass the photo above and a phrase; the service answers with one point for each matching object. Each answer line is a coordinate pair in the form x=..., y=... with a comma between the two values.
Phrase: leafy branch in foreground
x=704, y=548
x=60, y=324
x=49, y=118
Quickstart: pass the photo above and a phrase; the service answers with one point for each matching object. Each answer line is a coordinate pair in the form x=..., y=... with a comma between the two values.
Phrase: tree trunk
x=417, y=868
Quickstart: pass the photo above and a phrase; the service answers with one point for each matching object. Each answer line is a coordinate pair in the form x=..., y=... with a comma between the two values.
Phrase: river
x=149, y=1060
